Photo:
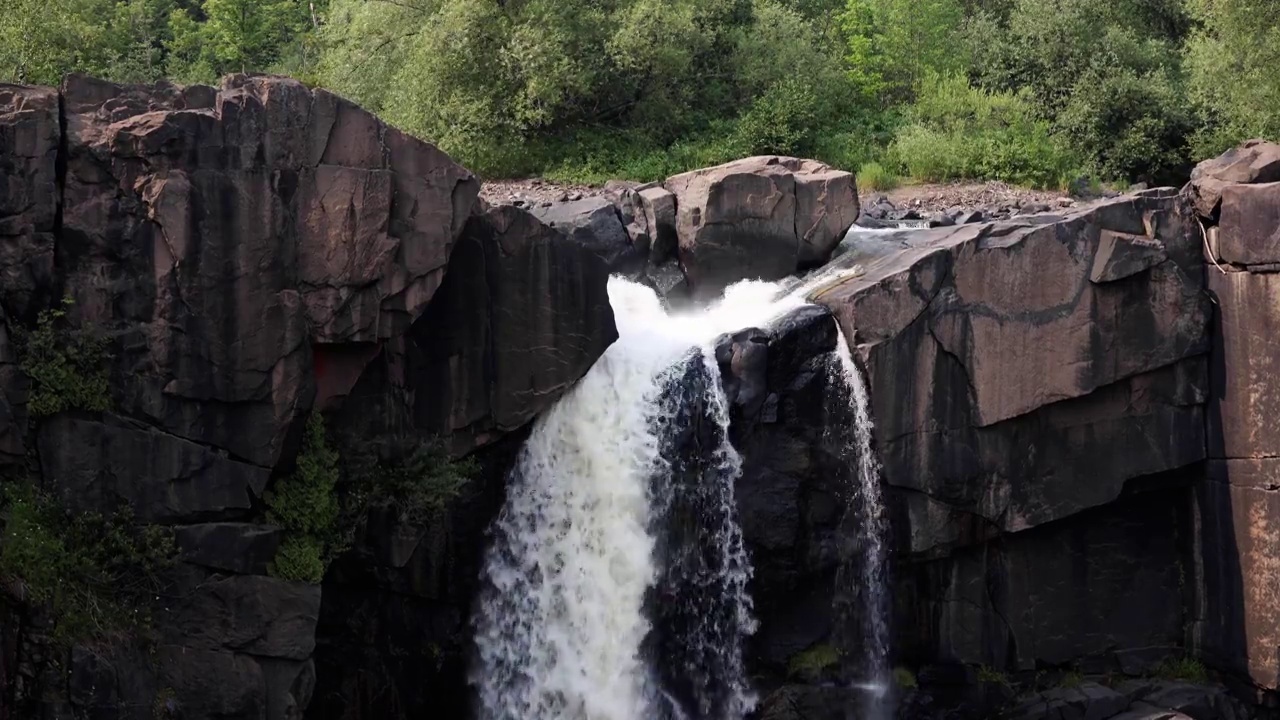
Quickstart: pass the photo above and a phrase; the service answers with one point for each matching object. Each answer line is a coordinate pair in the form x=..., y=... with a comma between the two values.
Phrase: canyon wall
x=247, y=256
x=1074, y=411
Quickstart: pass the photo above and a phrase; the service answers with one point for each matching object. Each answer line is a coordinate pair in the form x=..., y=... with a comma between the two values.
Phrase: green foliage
x=904, y=678
x=417, y=479
x=327, y=499
x=992, y=676
x=1232, y=59
x=1184, y=668
x=305, y=506
x=811, y=663
x=1122, y=90
x=1106, y=74
x=66, y=364
x=873, y=176
x=96, y=573
x=896, y=44
x=1072, y=679
x=958, y=131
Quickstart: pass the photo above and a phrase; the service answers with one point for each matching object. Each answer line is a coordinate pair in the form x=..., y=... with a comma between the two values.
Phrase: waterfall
x=862, y=603
x=615, y=585
x=563, y=626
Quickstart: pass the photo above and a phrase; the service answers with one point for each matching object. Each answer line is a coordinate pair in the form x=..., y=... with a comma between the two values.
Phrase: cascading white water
x=616, y=582
x=561, y=627
x=869, y=524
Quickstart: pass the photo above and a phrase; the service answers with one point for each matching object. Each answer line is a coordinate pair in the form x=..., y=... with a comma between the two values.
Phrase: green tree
x=1233, y=59
x=247, y=34
x=894, y=44
x=305, y=506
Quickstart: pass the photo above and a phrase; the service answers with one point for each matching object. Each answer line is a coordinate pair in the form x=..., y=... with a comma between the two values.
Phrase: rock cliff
x=246, y=256
x=1073, y=410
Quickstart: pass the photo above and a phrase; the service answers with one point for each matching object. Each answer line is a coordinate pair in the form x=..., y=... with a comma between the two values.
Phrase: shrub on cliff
x=305, y=506
x=96, y=573
x=66, y=364
x=415, y=478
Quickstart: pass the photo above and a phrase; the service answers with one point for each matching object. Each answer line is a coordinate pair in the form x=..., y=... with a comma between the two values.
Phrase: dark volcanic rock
x=29, y=138
x=975, y=348
x=94, y=465
x=523, y=313
x=595, y=223
x=216, y=234
x=760, y=217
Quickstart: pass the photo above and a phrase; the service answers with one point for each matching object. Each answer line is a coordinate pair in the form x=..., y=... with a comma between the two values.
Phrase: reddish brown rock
x=1237, y=540
x=1255, y=161
x=219, y=233
x=1249, y=224
x=1001, y=369
x=760, y=217
x=1244, y=408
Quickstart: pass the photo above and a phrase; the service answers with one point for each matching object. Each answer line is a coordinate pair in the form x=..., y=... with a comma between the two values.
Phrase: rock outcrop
x=1237, y=623
x=251, y=254
x=760, y=217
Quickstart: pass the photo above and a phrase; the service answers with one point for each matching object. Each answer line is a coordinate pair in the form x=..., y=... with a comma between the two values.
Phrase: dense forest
x=1036, y=92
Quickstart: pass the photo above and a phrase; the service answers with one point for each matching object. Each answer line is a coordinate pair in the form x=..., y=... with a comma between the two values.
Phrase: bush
x=415, y=478
x=67, y=365
x=1232, y=58
x=305, y=506
x=873, y=176
x=96, y=573
x=962, y=132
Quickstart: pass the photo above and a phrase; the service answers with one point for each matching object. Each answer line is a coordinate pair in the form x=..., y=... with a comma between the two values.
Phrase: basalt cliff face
x=251, y=254
x=1074, y=412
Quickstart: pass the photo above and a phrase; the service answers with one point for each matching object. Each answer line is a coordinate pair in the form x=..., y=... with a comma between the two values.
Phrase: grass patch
x=874, y=176
x=1185, y=668
x=813, y=662
x=96, y=573
x=66, y=363
x=993, y=676
x=1072, y=679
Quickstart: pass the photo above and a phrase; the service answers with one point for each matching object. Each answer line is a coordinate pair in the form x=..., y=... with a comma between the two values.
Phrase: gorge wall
x=1073, y=410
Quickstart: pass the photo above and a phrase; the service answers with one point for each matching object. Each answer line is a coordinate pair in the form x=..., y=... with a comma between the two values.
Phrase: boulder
x=30, y=135
x=523, y=313
x=595, y=224
x=330, y=227
x=760, y=217
x=1255, y=161
x=1249, y=224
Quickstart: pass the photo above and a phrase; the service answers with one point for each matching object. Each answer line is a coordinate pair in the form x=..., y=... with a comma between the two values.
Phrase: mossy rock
x=810, y=665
